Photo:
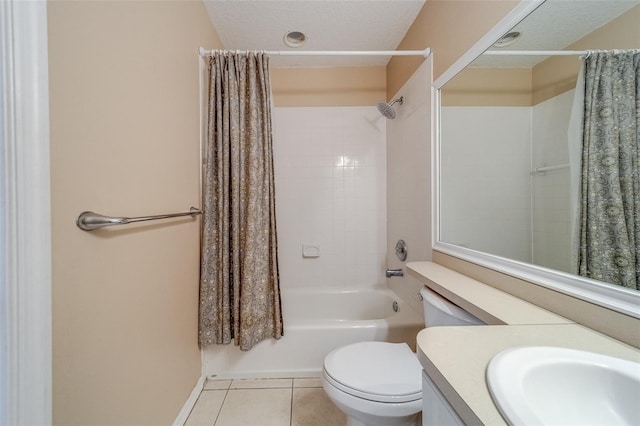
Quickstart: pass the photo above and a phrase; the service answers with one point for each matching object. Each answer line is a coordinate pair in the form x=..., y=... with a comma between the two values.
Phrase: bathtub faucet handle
x=394, y=273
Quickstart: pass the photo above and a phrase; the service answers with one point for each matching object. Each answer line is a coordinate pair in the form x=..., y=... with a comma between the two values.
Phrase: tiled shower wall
x=330, y=193
x=551, y=190
x=486, y=190
x=491, y=200
x=409, y=181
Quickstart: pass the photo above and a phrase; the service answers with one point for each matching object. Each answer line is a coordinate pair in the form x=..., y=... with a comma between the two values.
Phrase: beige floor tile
x=217, y=384
x=312, y=407
x=256, y=407
x=261, y=383
x=206, y=409
x=311, y=382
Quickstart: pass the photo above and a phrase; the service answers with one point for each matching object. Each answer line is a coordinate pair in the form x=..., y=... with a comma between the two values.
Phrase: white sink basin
x=558, y=386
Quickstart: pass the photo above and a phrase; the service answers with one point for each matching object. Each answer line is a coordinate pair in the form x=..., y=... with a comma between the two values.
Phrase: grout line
x=291, y=406
x=220, y=409
x=292, y=389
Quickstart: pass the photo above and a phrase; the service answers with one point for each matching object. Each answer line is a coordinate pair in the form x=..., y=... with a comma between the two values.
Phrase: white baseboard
x=191, y=401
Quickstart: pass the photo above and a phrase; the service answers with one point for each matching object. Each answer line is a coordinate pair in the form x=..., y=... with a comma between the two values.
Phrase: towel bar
x=88, y=221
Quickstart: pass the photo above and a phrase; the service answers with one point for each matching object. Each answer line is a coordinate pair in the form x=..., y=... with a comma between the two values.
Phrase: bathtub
x=317, y=321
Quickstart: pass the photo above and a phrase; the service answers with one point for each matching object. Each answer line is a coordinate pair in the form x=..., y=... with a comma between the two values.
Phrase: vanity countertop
x=456, y=358
x=485, y=302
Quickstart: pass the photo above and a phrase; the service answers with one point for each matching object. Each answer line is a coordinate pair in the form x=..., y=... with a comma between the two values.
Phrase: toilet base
x=362, y=412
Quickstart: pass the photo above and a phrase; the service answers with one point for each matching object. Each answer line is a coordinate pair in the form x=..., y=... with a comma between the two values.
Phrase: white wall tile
x=486, y=191
x=491, y=202
x=330, y=189
x=551, y=191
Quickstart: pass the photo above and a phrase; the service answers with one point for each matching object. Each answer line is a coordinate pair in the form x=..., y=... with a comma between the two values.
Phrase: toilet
x=380, y=383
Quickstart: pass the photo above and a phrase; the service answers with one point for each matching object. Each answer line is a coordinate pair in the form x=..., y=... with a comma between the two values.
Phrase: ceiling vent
x=295, y=39
x=507, y=39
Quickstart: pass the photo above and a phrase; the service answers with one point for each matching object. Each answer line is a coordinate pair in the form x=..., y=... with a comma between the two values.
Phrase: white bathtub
x=315, y=322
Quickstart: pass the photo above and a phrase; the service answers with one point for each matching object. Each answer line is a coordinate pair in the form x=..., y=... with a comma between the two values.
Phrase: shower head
x=387, y=110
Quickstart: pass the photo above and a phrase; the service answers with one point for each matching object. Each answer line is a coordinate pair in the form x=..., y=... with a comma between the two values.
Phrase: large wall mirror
x=508, y=120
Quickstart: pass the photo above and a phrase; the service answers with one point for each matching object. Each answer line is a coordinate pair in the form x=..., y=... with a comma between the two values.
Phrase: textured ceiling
x=381, y=25
x=328, y=25
x=555, y=25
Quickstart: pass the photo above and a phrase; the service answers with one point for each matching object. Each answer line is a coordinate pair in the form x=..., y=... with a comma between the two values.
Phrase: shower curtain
x=239, y=284
x=608, y=208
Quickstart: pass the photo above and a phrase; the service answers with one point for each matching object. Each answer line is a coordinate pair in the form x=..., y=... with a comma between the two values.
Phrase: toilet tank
x=439, y=311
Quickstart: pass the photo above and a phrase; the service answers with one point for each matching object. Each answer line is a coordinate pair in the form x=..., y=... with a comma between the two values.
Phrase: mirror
x=504, y=192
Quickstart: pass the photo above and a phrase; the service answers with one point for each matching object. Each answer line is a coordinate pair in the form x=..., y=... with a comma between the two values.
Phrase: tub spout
x=394, y=273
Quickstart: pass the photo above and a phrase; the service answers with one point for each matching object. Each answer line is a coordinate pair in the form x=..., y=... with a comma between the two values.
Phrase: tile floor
x=265, y=402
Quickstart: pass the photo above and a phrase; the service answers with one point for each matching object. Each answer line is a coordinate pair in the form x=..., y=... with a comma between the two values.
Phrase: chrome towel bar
x=545, y=168
x=88, y=221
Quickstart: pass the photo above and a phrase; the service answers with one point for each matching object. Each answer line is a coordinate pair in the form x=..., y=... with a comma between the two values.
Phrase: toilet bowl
x=374, y=383
x=380, y=383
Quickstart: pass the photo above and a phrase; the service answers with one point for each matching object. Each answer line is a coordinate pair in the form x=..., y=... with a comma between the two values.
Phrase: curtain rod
x=424, y=53
x=536, y=52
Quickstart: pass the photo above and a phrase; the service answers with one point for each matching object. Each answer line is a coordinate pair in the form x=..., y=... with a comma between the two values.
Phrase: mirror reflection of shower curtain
x=607, y=168
x=239, y=282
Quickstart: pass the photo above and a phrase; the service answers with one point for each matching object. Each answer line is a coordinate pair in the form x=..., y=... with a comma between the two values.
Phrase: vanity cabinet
x=436, y=410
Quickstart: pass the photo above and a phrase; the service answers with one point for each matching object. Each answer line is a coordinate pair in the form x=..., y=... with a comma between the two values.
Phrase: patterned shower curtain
x=609, y=210
x=239, y=284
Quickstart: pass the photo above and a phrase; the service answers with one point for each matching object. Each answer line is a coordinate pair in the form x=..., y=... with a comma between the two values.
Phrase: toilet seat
x=376, y=371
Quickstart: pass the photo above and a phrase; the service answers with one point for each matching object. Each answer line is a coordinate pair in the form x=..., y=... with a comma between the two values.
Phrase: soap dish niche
x=310, y=251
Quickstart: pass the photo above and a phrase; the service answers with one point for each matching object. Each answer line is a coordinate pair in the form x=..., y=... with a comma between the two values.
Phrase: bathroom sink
x=558, y=386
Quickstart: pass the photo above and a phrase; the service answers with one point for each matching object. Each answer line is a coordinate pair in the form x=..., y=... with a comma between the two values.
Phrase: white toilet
x=380, y=383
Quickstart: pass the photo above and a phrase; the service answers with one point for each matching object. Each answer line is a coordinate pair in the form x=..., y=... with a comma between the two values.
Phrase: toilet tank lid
x=378, y=368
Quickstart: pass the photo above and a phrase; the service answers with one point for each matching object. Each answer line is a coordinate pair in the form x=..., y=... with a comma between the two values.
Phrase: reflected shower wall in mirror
x=504, y=165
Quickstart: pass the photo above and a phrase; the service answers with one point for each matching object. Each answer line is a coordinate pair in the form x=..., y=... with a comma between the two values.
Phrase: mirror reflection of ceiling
x=556, y=25
x=518, y=80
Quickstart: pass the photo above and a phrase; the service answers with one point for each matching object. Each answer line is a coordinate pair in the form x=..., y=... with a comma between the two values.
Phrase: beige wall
x=558, y=74
x=489, y=87
x=449, y=28
x=355, y=86
x=125, y=141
